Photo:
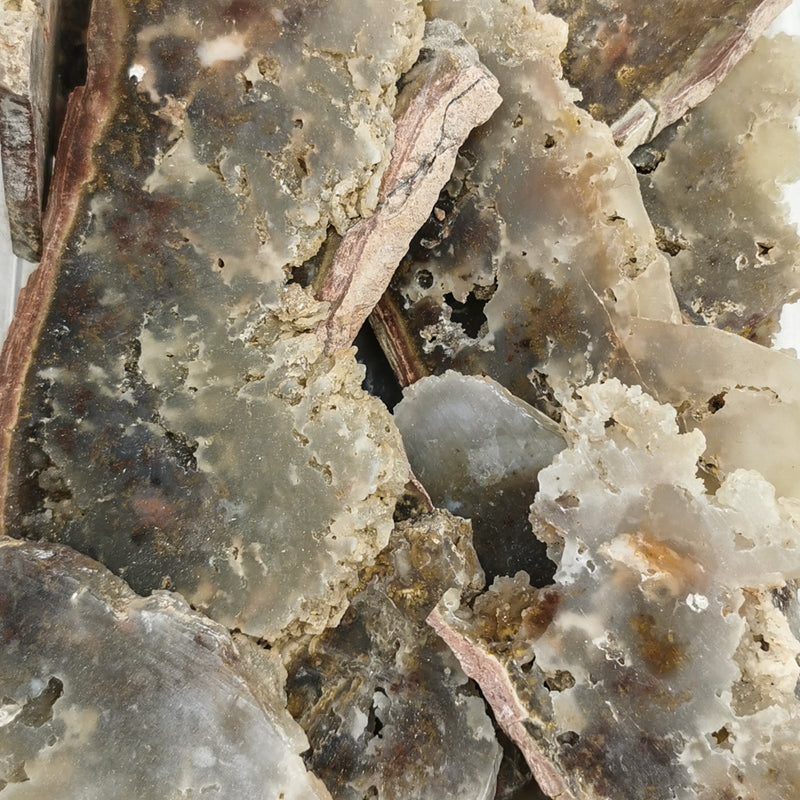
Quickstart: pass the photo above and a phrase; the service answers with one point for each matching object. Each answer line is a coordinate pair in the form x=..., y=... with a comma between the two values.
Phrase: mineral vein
x=446, y=95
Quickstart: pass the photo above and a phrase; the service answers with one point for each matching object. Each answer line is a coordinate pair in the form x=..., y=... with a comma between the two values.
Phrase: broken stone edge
x=88, y=110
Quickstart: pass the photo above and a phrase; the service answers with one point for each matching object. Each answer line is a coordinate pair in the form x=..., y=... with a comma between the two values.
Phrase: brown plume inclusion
x=159, y=367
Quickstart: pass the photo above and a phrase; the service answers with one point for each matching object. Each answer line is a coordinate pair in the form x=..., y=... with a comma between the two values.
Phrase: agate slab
x=100, y=688
x=159, y=312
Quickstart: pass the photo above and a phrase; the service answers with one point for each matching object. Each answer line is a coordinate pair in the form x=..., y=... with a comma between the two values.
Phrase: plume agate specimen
x=642, y=66
x=28, y=34
x=637, y=674
x=541, y=245
x=388, y=712
x=237, y=183
x=100, y=688
x=716, y=195
x=477, y=449
x=158, y=372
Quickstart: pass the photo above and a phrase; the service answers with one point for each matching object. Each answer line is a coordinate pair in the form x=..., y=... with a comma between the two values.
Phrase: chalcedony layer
x=109, y=694
x=388, y=712
x=642, y=66
x=539, y=247
x=713, y=188
x=660, y=663
x=477, y=450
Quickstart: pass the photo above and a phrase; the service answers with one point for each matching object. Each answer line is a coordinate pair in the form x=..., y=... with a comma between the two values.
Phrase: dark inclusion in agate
x=388, y=712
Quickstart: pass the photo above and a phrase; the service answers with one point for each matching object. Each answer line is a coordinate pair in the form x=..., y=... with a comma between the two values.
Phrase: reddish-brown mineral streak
x=448, y=100
x=490, y=675
x=88, y=109
x=28, y=33
x=690, y=86
x=396, y=341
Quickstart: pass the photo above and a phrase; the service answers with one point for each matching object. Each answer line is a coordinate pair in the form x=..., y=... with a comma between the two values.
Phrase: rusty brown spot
x=662, y=652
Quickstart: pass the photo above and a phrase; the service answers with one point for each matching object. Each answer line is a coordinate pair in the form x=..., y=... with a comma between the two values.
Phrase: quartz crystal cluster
x=566, y=564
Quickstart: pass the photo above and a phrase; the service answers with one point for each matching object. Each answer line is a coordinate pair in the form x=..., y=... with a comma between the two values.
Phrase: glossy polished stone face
x=543, y=247
x=712, y=188
x=105, y=693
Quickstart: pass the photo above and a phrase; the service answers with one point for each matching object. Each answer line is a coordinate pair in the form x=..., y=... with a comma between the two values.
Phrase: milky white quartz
x=744, y=397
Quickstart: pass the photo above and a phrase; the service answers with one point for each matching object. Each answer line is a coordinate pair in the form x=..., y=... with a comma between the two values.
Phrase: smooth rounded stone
x=106, y=694
x=477, y=449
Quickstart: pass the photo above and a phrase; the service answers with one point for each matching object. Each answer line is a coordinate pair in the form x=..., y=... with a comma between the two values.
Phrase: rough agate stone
x=743, y=397
x=541, y=245
x=712, y=188
x=659, y=664
x=28, y=34
x=106, y=693
x=642, y=66
x=446, y=94
x=388, y=712
x=477, y=449
x=237, y=182
x=167, y=407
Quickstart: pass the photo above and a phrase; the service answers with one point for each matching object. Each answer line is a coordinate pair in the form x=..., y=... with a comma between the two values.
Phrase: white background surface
x=14, y=271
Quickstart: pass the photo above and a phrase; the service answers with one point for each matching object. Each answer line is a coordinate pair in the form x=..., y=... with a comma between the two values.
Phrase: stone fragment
x=657, y=664
x=716, y=198
x=477, y=449
x=642, y=66
x=744, y=398
x=106, y=693
x=541, y=245
x=388, y=712
x=166, y=406
x=28, y=35
x=445, y=95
